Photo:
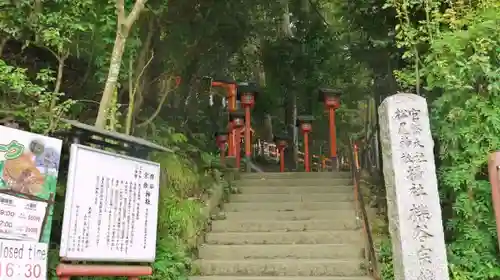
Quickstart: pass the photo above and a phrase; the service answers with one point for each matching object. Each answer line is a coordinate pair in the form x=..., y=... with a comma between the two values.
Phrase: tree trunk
x=3, y=42
x=286, y=29
x=54, y=118
x=113, y=73
x=141, y=74
x=124, y=24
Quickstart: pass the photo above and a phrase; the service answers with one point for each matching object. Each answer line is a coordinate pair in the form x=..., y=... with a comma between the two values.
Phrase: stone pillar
x=415, y=221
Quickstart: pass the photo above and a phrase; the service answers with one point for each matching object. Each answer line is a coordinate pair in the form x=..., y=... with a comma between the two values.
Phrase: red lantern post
x=281, y=142
x=221, y=140
x=331, y=99
x=304, y=123
x=306, y=128
x=238, y=123
x=236, y=118
x=248, y=101
x=281, y=147
x=230, y=139
x=247, y=93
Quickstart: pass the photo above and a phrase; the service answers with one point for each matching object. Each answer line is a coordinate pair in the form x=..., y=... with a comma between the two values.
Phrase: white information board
x=21, y=218
x=23, y=260
x=111, y=207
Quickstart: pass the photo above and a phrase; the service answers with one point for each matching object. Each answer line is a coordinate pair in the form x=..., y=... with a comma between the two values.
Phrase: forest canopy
x=136, y=67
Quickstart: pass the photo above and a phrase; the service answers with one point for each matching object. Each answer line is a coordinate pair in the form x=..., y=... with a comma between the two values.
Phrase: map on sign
x=111, y=207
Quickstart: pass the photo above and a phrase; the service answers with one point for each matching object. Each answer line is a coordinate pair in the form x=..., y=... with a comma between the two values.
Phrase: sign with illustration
x=29, y=166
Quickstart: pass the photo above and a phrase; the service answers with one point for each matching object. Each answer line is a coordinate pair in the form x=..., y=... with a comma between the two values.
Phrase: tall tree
x=124, y=25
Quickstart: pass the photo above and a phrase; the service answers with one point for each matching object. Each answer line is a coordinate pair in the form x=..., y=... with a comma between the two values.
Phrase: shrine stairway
x=286, y=226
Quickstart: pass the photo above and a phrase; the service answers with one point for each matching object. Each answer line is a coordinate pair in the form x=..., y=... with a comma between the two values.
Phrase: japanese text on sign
x=112, y=205
x=20, y=218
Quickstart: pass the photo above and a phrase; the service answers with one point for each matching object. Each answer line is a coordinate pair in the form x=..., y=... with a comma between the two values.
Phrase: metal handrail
x=361, y=209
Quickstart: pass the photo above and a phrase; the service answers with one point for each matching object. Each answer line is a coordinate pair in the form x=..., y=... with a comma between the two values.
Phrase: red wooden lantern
x=306, y=127
x=221, y=139
x=332, y=101
x=282, y=144
x=248, y=99
x=238, y=123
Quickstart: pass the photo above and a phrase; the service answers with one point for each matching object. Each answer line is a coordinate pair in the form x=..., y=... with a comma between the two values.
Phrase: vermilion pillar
x=248, y=101
x=230, y=87
x=221, y=140
x=333, y=136
x=331, y=99
x=237, y=120
x=306, y=129
x=281, y=142
x=281, y=147
x=305, y=125
x=237, y=124
x=247, y=93
x=231, y=100
x=230, y=139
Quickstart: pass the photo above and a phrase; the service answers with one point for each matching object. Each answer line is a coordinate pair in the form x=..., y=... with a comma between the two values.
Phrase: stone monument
x=415, y=222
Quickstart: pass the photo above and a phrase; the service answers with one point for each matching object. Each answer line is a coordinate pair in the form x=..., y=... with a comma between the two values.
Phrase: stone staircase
x=286, y=226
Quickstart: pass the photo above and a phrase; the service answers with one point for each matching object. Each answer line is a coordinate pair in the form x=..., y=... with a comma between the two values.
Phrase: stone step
x=296, y=175
x=295, y=182
x=279, y=278
x=286, y=206
x=335, y=216
x=342, y=197
x=304, y=237
x=282, y=267
x=340, y=223
x=269, y=251
x=295, y=189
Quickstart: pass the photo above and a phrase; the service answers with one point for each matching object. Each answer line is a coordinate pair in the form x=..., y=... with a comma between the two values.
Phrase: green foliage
x=465, y=65
x=31, y=101
x=455, y=56
x=55, y=57
x=385, y=258
x=183, y=190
